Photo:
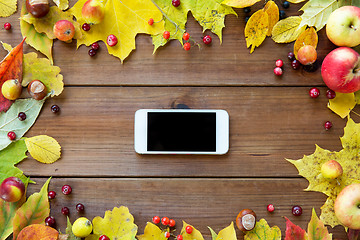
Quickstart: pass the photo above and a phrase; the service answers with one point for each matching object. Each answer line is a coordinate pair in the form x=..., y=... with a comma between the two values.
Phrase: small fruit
x=66, y=189
x=207, y=39
x=246, y=220
x=165, y=221
x=189, y=229
x=282, y=14
x=279, y=63
x=51, y=194
x=7, y=26
x=179, y=237
x=92, y=52
x=55, y=109
x=86, y=27
x=307, y=55
x=186, y=36
x=246, y=19
x=151, y=21
x=330, y=94
x=112, y=40
x=172, y=223
x=65, y=211
x=166, y=35
x=93, y=11
x=22, y=116
x=278, y=71
x=156, y=219
x=331, y=169
x=64, y=30
x=295, y=64
x=104, y=237
x=296, y=210
x=327, y=125
x=11, y=135
x=37, y=89
x=37, y=8
x=175, y=3
x=82, y=227
x=314, y=92
x=167, y=234
x=187, y=46
x=80, y=207
x=11, y=89
x=286, y=4
x=291, y=56
x=50, y=221
x=247, y=10
x=95, y=46
x=270, y=208
x=12, y=189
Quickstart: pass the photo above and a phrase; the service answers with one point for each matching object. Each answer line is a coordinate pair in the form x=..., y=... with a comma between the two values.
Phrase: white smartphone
x=181, y=131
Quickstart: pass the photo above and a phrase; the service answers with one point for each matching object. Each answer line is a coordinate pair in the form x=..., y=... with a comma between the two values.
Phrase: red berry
x=86, y=27
x=165, y=221
x=187, y=46
x=22, y=116
x=278, y=71
x=7, y=26
x=55, y=108
x=112, y=40
x=80, y=207
x=66, y=189
x=156, y=219
x=330, y=94
x=11, y=136
x=104, y=237
x=188, y=229
x=296, y=210
x=51, y=194
x=167, y=234
x=50, y=221
x=291, y=56
x=95, y=46
x=65, y=211
x=314, y=92
x=175, y=3
x=166, y=35
x=179, y=237
x=186, y=36
x=151, y=21
x=172, y=223
x=295, y=64
x=327, y=125
x=207, y=39
x=270, y=208
x=279, y=63
x=92, y=52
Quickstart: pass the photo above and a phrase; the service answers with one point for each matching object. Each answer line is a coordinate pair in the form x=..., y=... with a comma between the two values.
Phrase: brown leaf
x=307, y=37
x=37, y=232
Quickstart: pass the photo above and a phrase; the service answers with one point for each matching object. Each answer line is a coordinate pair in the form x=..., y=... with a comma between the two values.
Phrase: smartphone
x=181, y=131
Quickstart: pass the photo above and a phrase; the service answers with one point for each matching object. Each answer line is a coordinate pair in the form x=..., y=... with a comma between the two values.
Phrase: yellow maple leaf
x=195, y=234
x=7, y=7
x=273, y=13
x=239, y=3
x=256, y=29
x=342, y=104
x=287, y=30
x=125, y=19
x=262, y=231
x=152, y=232
x=307, y=37
x=43, y=148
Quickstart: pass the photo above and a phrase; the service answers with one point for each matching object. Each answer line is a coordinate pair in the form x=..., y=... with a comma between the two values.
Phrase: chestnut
x=37, y=8
x=246, y=220
x=37, y=89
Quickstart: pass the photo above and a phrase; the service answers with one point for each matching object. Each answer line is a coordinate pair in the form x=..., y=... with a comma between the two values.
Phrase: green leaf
x=287, y=30
x=62, y=4
x=342, y=104
x=355, y=3
x=69, y=231
x=316, y=229
x=33, y=211
x=213, y=234
x=262, y=231
x=9, y=120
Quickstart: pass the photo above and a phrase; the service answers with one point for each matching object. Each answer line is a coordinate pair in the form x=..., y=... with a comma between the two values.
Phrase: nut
x=246, y=220
x=37, y=89
x=37, y=8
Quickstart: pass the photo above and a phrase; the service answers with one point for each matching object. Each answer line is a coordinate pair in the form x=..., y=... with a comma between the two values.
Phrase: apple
x=331, y=169
x=343, y=26
x=12, y=189
x=347, y=206
x=64, y=30
x=307, y=55
x=11, y=89
x=340, y=70
x=93, y=11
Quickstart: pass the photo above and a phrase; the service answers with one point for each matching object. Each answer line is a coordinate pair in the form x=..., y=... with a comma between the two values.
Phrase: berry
x=55, y=108
x=247, y=10
x=207, y=39
x=278, y=71
x=279, y=63
x=95, y=46
x=179, y=237
x=172, y=223
x=86, y=27
x=7, y=26
x=282, y=14
x=314, y=92
x=66, y=189
x=175, y=3
x=50, y=221
x=112, y=40
x=22, y=116
x=295, y=64
x=166, y=35
x=165, y=221
x=270, y=208
x=80, y=207
x=291, y=56
x=286, y=4
x=11, y=136
x=65, y=211
x=186, y=36
x=167, y=234
x=296, y=210
x=187, y=46
x=151, y=21
x=188, y=229
x=104, y=237
x=247, y=19
x=156, y=219
x=330, y=94
x=92, y=52
x=51, y=194
x=327, y=125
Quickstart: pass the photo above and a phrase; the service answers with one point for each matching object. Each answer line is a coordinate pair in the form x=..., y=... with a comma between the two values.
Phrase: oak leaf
x=342, y=104
x=262, y=231
x=195, y=234
x=310, y=168
x=152, y=232
x=287, y=30
x=7, y=7
x=256, y=29
x=38, y=232
x=294, y=232
x=307, y=37
x=43, y=148
x=239, y=3
x=272, y=11
x=227, y=233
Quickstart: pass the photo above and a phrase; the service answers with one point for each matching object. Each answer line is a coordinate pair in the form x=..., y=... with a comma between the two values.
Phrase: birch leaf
x=239, y=3
x=43, y=148
x=307, y=37
x=273, y=13
x=342, y=104
x=287, y=30
x=7, y=7
x=256, y=29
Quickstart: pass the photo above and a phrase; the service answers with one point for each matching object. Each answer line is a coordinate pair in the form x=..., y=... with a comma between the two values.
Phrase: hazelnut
x=37, y=8
x=246, y=220
x=37, y=89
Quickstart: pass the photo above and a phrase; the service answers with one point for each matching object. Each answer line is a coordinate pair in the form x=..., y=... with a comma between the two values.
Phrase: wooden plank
x=228, y=64
x=200, y=202
x=95, y=130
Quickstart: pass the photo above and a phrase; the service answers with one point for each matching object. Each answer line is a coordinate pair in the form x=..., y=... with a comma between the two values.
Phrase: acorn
x=37, y=8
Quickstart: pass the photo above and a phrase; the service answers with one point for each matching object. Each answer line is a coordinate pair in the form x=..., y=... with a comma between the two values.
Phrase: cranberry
x=279, y=63
x=86, y=27
x=172, y=223
x=270, y=208
x=207, y=39
x=22, y=116
x=291, y=56
x=151, y=21
x=330, y=94
x=92, y=52
x=296, y=210
x=50, y=221
x=65, y=211
x=175, y=3
x=156, y=219
x=7, y=26
x=187, y=46
x=66, y=189
x=179, y=237
x=80, y=207
x=55, y=108
x=165, y=221
x=278, y=71
x=51, y=194
x=327, y=125
x=11, y=136
x=95, y=46
x=295, y=64
x=166, y=35
x=104, y=237
x=112, y=40
x=314, y=92
x=188, y=229
x=167, y=234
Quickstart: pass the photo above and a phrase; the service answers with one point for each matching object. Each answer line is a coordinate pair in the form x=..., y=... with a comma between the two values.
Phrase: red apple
x=331, y=169
x=12, y=189
x=347, y=206
x=64, y=30
x=343, y=26
x=340, y=70
x=93, y=11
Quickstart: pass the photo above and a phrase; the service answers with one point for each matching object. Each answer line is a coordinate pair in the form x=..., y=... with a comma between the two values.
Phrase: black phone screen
x=181, y=131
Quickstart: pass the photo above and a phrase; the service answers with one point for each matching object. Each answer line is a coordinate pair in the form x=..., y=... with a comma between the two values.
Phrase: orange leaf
x=273, y=13
x=11, y=68
x=307, y=37
x=38, y=232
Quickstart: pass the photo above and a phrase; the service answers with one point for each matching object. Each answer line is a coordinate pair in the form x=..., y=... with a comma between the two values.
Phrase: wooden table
x=271, y=118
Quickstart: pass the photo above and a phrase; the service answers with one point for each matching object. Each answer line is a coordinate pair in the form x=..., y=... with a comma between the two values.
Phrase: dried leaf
x=213, y=234
x=195, y=235
x=7, y=7
x=317, y=230
x=294, y=232
x=262, y=231
x=256, y=29
x=239, y=3
x=62, y=4
x=227, y=233
x=273, y=13
x=152, y=232
x=307, y=37
x=38, y=232
x=342, y=104
x=43, y=148
x=287, y=30
x=70, y=234
x=33, y=211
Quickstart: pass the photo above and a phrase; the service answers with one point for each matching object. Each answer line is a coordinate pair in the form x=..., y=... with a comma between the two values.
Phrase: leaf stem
x=166, y=16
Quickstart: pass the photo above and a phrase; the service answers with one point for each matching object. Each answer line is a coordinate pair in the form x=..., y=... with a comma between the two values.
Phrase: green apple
x=331, y=169
x=343, y=26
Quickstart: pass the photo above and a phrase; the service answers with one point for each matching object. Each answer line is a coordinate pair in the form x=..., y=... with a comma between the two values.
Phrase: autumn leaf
x=262, y=231
x=296, y=1
x=239, y=3
x=62, y=4
x=310, y=168
x=272, y=11
x=69, y=233
x=43, y=148
x=152, y=232
x=316, y=229
x=227, y=233
x=213, y=233
x=38, y=231
x=307, y=37
x=342, y=104
x=11, y=68
x=33, y=211
x=195, y=234
x=256, y=29
x=357, y=97
x=287, y=30
x=294, y=232
x=7, y=7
